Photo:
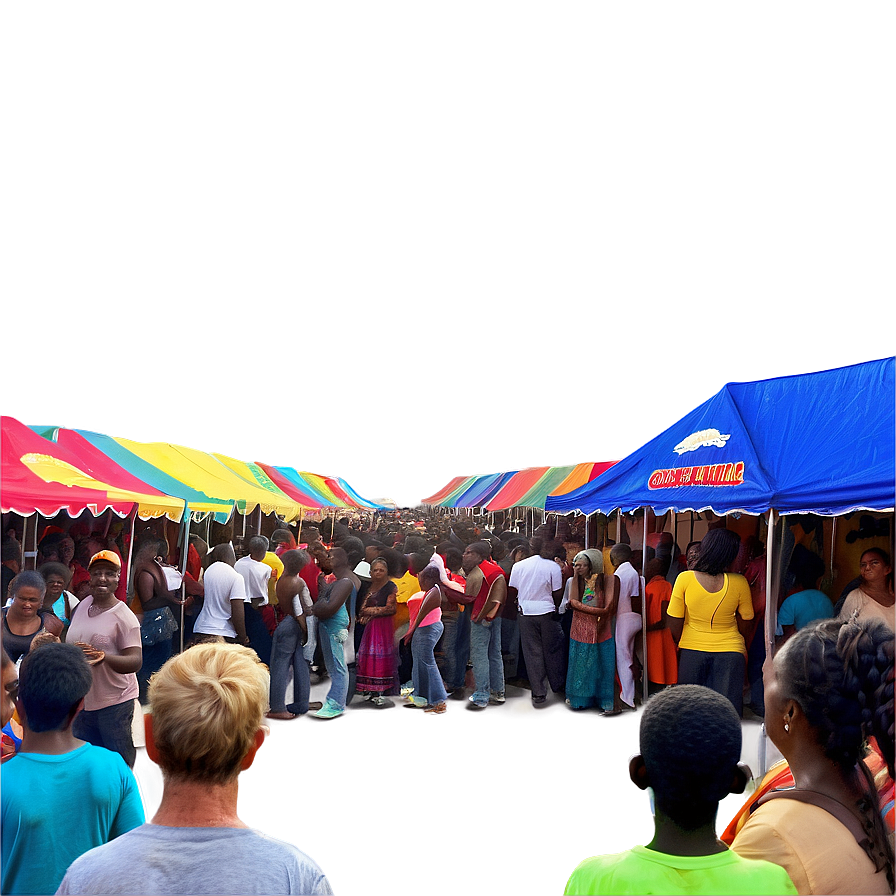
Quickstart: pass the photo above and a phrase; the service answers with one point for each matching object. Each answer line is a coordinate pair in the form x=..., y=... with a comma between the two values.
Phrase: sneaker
x=437, y=707
x=381, y=702
x=456, y=694
x=415, y=703
x=328, y=711
x=496, y=699
x=406, y=691
x=538, y=701
x=477, y=704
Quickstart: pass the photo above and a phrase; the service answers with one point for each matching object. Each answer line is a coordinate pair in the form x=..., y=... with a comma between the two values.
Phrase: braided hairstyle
x=841, y=675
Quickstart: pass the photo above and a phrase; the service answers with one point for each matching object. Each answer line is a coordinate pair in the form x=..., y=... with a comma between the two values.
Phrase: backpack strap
x=830, y=805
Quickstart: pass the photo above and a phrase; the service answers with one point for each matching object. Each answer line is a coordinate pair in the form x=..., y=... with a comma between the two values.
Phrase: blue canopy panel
x=813, y=443
x=483, y=490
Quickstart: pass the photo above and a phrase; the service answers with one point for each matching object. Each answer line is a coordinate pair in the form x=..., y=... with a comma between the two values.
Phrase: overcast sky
x=398, y=242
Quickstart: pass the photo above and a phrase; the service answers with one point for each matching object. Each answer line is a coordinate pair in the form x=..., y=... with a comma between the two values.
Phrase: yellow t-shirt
x=407, y=586
x=276, y=564
x=710, y=622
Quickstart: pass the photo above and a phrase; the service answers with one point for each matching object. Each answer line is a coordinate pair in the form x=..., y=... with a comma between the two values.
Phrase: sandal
x=437, y=707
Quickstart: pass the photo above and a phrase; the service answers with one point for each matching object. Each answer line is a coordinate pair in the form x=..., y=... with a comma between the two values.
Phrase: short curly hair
x=690, y=741
x=207, y=704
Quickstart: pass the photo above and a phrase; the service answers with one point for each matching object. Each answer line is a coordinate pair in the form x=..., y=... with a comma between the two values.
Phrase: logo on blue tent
x=706, y=438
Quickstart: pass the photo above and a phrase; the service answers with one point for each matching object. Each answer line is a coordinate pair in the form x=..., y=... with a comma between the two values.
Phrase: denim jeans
x=427, y=681
x=461, y=649
x=109, y=727
x=488, y=667
x=446, y=659
x=154, y=657
x=311, y=643
x=286, y=650
x=510, y=644
x=334, y=658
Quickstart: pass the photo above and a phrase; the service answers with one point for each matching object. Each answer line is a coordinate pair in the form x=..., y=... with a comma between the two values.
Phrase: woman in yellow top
x=708, y=613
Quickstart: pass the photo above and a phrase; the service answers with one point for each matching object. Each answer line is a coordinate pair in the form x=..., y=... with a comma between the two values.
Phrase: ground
x=508, y=799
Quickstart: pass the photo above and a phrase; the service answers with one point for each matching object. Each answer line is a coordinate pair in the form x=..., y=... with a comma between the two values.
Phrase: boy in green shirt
x=690, y=742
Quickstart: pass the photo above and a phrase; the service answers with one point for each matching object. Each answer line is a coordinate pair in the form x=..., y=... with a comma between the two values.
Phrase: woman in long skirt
x=590, y=678
x=377, y=664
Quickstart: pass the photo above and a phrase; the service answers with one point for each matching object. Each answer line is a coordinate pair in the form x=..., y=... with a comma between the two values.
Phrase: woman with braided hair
x=827, y=692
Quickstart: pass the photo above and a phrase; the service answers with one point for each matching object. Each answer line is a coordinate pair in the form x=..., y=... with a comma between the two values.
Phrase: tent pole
x=771, y=618
x=127, y=577
x=833, y=543
x=674, y=540
x=259, y=519
x=244, y=526
x=184, y=553
x=644, y=608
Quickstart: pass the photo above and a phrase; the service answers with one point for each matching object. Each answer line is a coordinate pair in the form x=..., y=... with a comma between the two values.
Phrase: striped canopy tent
x=338, y=491
x=290, y=481
x=254, y=474
x=92, y=461
x=315, y=491
x=581, y=475
x=456, y=486
x=203, y=472
x=481, y=491
x=41, y=477
x=355, y=498
x=95, y=445
x=517, y=487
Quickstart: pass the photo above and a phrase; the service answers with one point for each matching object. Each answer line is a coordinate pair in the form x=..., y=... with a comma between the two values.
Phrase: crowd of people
x=426, y=616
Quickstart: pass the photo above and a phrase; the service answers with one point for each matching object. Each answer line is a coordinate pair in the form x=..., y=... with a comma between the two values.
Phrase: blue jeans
x=334, y=658
x=427, y=681
x=448, y=664
x=109, y=727
x=488, y=667
x=461, y=649
x=286, y=650
x=154, y=657
x=510, y=644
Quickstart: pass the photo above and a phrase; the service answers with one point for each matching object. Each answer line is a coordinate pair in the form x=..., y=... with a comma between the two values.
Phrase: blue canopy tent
x=821, y=443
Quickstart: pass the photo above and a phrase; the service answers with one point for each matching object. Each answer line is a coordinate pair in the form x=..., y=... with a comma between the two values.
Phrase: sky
x=401, y=242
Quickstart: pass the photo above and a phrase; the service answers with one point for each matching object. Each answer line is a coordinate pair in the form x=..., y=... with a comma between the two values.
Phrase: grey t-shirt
x=166, y=860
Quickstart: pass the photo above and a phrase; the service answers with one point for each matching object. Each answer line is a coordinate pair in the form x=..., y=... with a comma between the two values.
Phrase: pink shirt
x=414, y=603
x=112, y=631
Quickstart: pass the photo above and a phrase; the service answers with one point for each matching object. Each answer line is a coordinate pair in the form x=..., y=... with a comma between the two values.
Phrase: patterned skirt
x=590, y=679
x=377, y=666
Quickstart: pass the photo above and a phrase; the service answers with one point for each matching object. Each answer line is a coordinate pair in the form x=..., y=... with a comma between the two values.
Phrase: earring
x=787, y=726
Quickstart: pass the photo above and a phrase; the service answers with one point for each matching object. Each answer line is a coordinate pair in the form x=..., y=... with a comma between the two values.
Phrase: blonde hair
x=207, y=704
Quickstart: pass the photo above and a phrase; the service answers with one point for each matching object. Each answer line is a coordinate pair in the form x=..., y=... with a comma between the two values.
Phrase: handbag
x=157, y=625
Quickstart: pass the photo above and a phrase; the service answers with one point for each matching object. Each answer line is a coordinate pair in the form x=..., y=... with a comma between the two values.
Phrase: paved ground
x=399, y=801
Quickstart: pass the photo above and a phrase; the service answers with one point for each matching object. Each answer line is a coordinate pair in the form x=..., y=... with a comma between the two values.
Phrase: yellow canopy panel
x=205, y=473
x=52, y=469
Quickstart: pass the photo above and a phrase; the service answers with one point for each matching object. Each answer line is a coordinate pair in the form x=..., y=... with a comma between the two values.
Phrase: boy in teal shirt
x=60, y=796
x=690, y=741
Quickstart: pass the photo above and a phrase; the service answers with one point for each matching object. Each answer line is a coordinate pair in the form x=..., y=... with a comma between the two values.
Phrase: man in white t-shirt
x=223, y=609
x=628, y=620
x=537, y=585
x=256, y=574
